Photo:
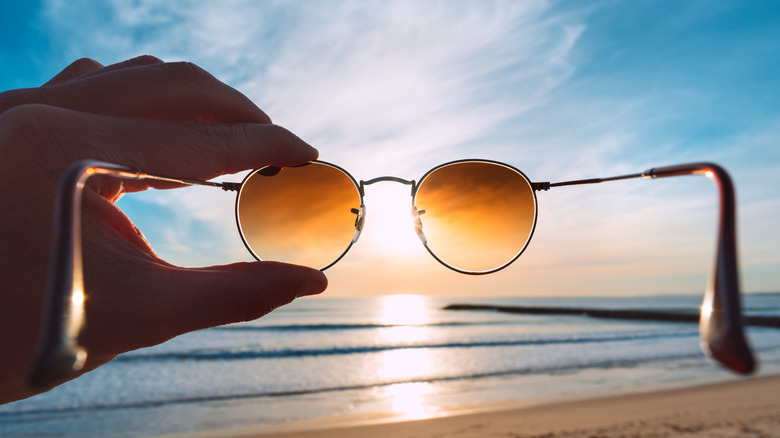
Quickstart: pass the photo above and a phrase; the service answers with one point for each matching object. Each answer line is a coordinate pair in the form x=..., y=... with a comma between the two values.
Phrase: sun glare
x=406, y=364
x=404, y=310
x=409, y=400
x=389, y=224
x=77, y=298
x=409, y=315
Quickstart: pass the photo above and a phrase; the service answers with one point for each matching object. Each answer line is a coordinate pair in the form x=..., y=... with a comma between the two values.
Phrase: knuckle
x=27, y=121
x=278, y=141
x=217, y=141
x=147, y=59
x=238, y=138
x=34, y=132
x=85, y=64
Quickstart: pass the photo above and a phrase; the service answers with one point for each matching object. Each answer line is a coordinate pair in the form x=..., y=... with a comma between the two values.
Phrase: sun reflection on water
x=409, y=400
x=409, y=316
x=405, y=309
x=405, y=364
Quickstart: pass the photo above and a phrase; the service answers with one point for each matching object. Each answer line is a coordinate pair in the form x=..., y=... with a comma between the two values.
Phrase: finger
x=238, y=292
x=137, y=300
x=199, y=150
x=77, y=68
x=174, y=91
x=138, y=61
x=171, y=301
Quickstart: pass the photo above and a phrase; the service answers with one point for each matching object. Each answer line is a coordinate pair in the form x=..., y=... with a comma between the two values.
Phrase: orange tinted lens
x=478, y=216
x=300, y=215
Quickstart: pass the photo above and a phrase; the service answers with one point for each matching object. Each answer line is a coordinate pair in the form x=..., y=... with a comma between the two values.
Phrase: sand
x=743, y=408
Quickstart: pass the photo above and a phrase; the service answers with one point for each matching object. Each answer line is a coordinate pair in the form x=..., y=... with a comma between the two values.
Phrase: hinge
x=231, y=186
x=537, y=186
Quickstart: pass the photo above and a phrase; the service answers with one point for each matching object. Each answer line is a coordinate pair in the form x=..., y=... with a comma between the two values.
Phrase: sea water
x=325, y=361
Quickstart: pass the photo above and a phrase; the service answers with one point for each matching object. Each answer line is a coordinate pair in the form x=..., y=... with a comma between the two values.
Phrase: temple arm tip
x=726, y=344
x=721, y=327
x=55, y=367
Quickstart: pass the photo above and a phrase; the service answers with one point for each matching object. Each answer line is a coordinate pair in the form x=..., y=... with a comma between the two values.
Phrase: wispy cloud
x=382, y=87
x=559, y=90
x=370, y=83
x=377, y=86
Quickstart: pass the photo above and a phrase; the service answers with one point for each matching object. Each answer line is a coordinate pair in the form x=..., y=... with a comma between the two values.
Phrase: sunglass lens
x=476, y=216
x=304, y=215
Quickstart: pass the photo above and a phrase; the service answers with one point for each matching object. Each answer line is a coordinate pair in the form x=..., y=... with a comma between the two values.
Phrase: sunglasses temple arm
x=721, y=327
x=59, y=354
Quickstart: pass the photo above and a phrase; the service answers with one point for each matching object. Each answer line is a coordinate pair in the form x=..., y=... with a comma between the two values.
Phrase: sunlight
x=405, y=364
x=408, y=399
x=410, y=314
x=404, y=309
x=405, y=334
x=389, y=223
x=77, y=297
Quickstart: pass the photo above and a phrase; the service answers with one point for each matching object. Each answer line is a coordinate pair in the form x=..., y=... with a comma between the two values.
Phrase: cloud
x=381, y=81
x=378, y=87
x=558, y=90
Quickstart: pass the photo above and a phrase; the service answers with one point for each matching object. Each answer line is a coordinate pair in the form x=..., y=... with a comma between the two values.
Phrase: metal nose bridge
x=386, y=178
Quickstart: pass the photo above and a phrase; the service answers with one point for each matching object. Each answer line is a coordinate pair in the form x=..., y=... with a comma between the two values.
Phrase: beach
x=743, y=408
x=409, y=366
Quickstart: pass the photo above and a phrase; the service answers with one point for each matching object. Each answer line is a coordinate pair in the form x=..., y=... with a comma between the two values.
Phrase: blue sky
x=561, y=90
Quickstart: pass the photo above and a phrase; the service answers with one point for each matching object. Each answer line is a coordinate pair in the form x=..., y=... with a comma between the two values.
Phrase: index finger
x=138, y=61
x=145, y=88
x=77, y=68
x=187, y=149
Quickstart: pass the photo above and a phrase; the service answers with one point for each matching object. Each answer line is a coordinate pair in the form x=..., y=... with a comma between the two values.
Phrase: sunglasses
x=473, y=216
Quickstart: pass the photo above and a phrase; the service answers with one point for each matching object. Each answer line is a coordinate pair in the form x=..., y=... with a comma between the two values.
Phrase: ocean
x=328, y=361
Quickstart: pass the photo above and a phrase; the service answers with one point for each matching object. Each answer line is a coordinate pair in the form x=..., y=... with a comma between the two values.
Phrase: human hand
x=165, y=118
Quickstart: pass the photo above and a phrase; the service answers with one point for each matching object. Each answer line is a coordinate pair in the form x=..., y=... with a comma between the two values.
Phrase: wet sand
x=743, y=408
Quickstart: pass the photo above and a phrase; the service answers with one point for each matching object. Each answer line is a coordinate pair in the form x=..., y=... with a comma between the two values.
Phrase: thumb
x=167, y=301
x=219, y=295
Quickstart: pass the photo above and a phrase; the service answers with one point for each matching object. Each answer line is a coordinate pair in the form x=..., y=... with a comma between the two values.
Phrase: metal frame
x=359, y=221
x=721, y=329
x=59, y=354
x=433, y=253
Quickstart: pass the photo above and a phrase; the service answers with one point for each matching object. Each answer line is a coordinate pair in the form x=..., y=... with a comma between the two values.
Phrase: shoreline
x=749, y=407
x=736, y=408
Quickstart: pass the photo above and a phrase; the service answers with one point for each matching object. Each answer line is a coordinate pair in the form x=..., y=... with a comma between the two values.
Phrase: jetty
x=632, y=314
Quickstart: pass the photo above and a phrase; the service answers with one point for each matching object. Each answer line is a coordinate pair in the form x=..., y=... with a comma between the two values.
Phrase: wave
x=338, y=327
x=217, y=354
x=152, y=403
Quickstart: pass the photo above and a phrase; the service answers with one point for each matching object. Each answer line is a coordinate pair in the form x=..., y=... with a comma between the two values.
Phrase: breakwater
x=644, y=315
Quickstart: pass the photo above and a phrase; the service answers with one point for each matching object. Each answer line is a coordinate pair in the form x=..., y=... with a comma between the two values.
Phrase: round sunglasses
x=473, y=216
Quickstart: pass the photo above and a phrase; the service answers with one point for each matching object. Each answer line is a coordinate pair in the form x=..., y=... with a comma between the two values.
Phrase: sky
x=559, y=89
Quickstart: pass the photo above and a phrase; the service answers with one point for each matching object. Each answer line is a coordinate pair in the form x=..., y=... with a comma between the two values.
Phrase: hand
x=165, y=118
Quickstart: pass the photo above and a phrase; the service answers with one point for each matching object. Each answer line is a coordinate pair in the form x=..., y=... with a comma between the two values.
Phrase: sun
x=389, y=225
x=404, y=309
